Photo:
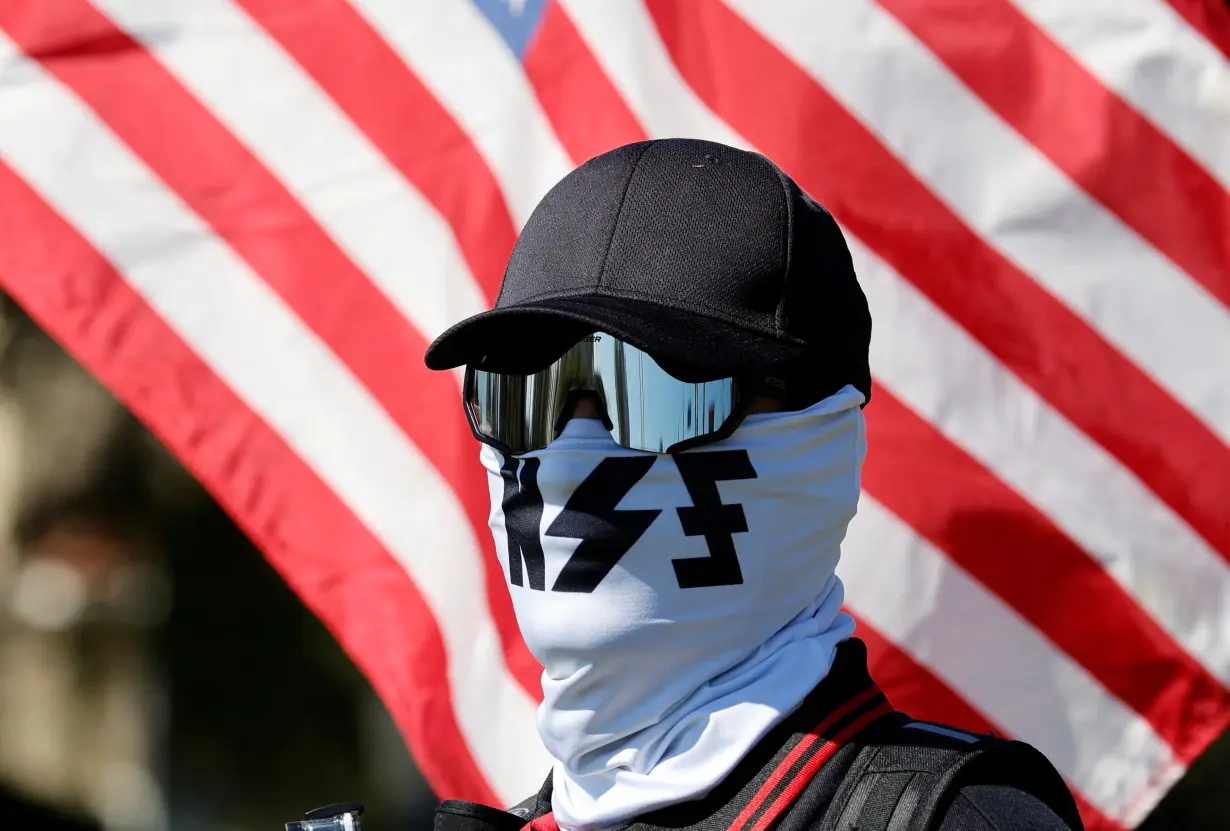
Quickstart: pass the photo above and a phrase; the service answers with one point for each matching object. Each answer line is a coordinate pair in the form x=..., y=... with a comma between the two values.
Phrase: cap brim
x=523, y=338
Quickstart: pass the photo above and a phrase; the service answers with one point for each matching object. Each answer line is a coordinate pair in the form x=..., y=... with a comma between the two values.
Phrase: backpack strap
x=758, y=793
x=753, y=798
x=767, y=783
x=777, y=786
x=906, y=779
x=459, y=815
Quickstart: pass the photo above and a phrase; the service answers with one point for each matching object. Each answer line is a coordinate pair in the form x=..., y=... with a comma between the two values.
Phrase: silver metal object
x=343, y=816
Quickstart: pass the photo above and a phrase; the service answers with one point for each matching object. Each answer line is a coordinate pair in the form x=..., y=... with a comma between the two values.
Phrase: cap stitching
x=787, y=248
x=629, y=294
x=606, y=254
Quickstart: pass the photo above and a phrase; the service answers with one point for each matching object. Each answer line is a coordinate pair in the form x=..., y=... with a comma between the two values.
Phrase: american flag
x=249, y=217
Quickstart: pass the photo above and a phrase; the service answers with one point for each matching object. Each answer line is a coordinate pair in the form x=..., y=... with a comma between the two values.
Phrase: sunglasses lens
x=648, y=408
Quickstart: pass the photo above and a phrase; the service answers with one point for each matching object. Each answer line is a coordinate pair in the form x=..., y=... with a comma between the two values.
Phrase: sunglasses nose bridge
x=582, y=403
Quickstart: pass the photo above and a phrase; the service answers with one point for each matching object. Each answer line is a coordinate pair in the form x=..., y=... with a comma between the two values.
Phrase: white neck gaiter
x=680, y=607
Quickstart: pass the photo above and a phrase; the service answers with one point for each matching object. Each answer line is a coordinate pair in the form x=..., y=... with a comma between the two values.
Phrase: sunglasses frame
x=744, y=389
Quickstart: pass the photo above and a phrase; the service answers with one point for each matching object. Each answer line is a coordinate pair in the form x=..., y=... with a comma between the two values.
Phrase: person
x=668, y=396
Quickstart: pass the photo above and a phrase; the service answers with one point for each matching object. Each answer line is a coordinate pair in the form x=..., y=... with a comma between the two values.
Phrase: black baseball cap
x=709, y=258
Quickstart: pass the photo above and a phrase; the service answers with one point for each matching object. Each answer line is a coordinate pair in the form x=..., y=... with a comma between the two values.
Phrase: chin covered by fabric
x=681, y=606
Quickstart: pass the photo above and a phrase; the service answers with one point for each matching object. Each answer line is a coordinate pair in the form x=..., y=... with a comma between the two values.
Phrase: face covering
x=682, y=606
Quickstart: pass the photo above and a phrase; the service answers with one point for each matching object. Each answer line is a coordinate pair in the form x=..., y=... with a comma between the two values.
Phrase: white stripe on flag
x=625, y=42
x=947, y=621
x=1146, y=52
x=475, y=76
x=950, y=379
x=382, y=223
x=1009, y=193
x=280, y=369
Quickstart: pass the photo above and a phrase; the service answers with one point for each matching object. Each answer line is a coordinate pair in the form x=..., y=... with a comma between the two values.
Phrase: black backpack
x=864, y=768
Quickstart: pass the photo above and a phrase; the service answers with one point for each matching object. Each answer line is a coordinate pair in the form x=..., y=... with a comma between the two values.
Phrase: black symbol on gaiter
x=709, y=517
x=522, y=505
x=606, y=534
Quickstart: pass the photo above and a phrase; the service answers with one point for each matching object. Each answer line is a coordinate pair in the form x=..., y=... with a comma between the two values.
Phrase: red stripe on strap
x=763, y=792
x=331, y=560
x=230, y=189
x=812, y=766
x=584, y=108
x=546, y=822
x=1085, y=129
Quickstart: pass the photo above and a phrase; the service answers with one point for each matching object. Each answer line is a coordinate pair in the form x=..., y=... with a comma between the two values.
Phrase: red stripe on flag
x=1211, y=18
x=1084, y=128
x=230, y=189
x=584, y=108
x=780, y=109
x=1015, y=551
x=915, y=690
x=911, y=686
x=402, y=118
x=331, y=560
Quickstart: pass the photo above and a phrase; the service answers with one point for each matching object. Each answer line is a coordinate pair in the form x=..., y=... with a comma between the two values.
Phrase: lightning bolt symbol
x=590, y=515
